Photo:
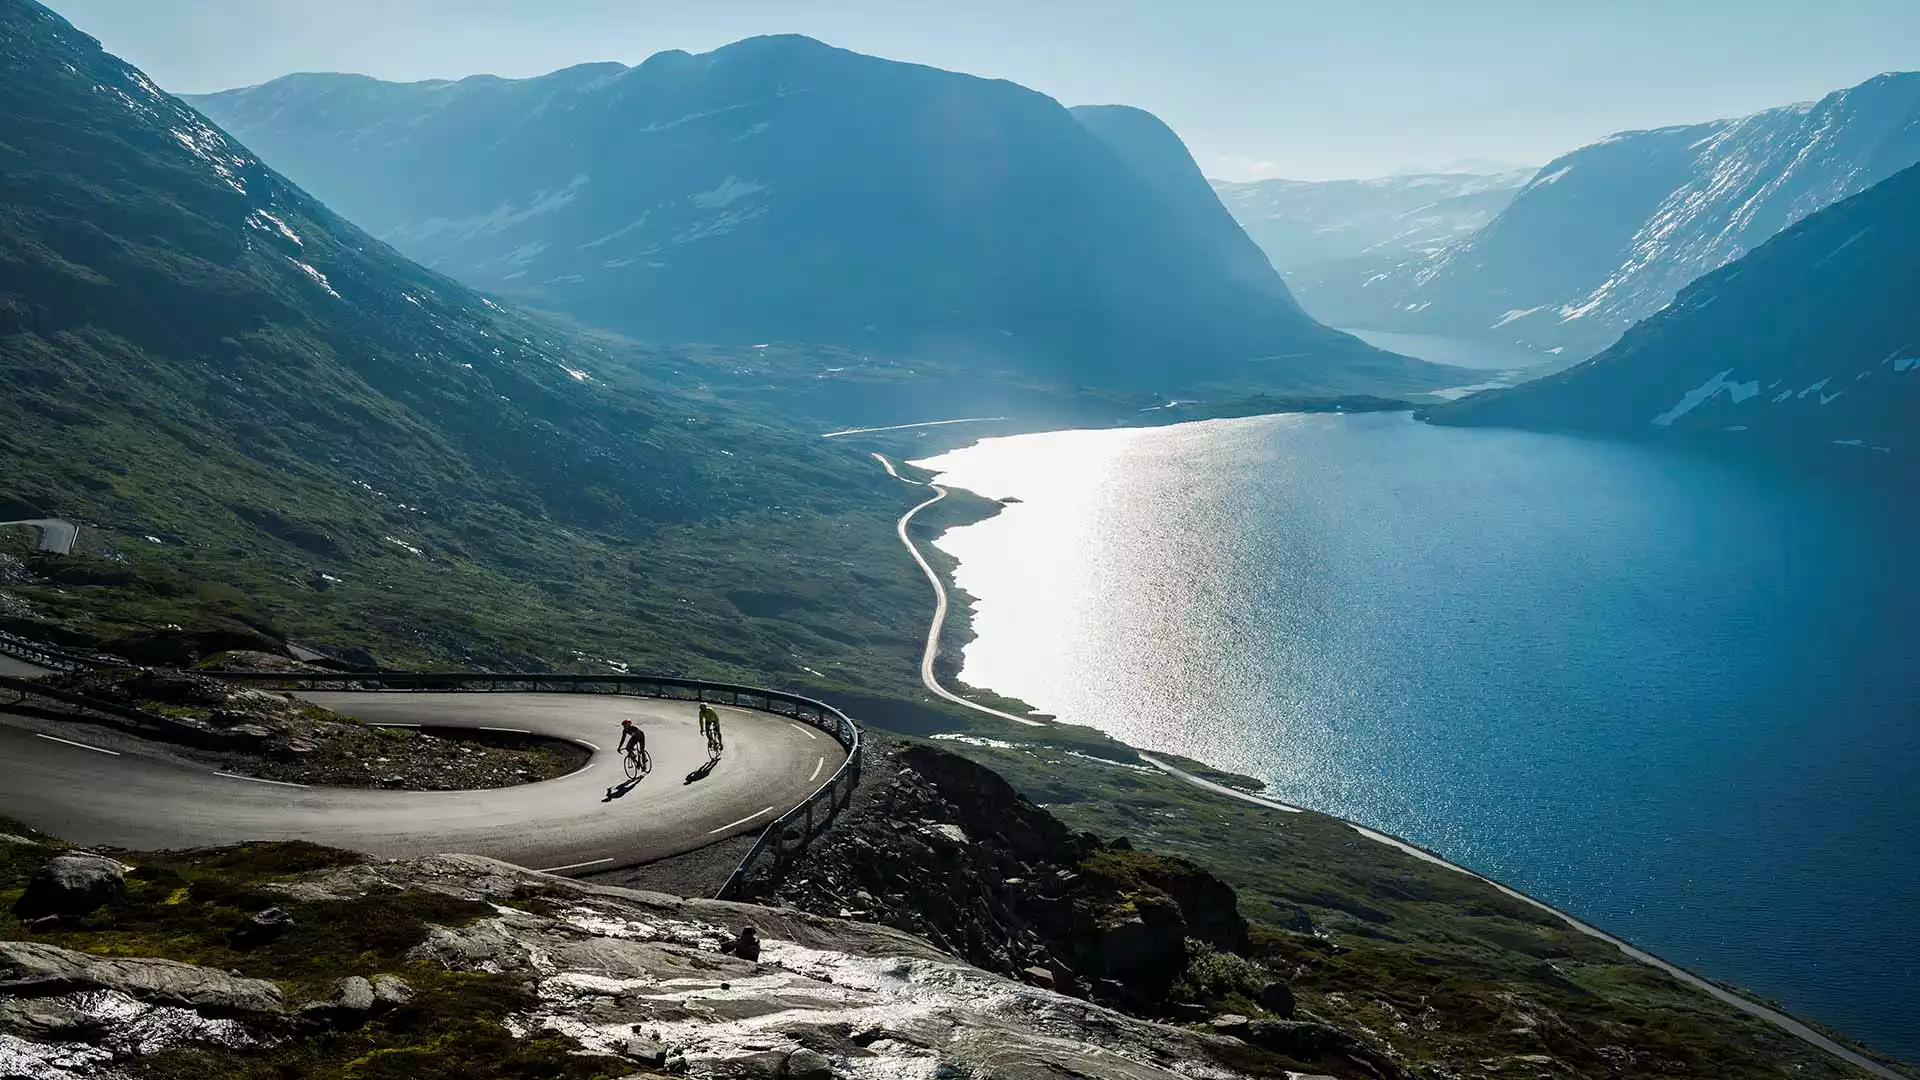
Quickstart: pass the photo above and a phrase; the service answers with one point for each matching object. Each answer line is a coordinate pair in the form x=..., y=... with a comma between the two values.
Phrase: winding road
x=927, y=677
x=109, y=789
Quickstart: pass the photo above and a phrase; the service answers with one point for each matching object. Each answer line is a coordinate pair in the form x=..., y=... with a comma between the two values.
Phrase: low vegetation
x=195, y=907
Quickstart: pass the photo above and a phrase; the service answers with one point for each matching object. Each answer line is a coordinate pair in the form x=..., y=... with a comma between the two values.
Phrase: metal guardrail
x=52, y=657
x=787, y=835
x=35, y=696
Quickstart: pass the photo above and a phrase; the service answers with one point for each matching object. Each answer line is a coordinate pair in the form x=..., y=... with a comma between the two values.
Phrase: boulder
x=34, y=969
x=263, y=926
x=1230, y=1024
x=1277, y=998
x=69, y=886
x=647, y=1052
x=391, y=991
x=352, y=1000
x=354, y=992
x=809, y=1065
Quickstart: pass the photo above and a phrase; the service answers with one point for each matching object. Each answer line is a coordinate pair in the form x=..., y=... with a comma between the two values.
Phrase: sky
x=1305, y=89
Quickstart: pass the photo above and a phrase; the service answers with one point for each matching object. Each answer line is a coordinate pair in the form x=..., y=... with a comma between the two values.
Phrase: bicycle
x=638, y=762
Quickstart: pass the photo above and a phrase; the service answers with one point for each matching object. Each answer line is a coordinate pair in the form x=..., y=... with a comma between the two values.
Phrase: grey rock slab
x=391, y=991
x=809, y=1065
x=354, y=992
x=34, y=969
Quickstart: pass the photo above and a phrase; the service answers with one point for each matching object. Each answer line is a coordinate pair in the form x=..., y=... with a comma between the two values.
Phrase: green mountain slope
x=276, y=419
x=779, y=189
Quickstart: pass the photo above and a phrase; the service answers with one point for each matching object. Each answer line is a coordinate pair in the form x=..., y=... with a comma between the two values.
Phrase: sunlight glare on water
x=1672, y=694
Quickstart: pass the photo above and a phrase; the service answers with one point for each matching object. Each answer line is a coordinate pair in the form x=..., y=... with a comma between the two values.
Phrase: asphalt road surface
x=55, y=535
x=577, y=823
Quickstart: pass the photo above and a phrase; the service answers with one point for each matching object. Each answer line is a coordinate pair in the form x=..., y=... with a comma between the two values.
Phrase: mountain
x=1390, y=219
x=1608, y=234
x=1812, y=341
x=782, y=190
x=1331, y=238
x=267, y=419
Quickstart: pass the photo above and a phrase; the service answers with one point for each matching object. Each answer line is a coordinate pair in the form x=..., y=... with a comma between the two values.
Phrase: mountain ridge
x=780, y=189
x=1608, y=234
x=1808, y=345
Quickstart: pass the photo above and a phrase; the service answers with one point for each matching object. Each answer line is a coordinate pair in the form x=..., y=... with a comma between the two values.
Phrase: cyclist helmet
x=628, y=722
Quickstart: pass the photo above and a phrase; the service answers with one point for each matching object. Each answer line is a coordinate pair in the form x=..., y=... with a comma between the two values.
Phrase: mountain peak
x=782, y=189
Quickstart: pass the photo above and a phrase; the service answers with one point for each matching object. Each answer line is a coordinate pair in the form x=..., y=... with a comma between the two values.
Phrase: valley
x=1158, y=598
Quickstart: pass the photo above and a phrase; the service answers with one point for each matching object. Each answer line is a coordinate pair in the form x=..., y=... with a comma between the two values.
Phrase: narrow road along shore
x=927, y=677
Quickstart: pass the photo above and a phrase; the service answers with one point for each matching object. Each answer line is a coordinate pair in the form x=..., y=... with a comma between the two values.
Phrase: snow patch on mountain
x=1693, y=399
x=498, y=220
x=319, y=278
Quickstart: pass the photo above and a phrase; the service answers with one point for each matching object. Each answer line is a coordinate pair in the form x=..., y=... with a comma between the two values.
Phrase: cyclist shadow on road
x=621, y=789
x=701, y=773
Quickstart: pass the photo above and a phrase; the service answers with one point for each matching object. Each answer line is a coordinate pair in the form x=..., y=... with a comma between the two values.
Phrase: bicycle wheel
x=633, y=766
x=646, y=762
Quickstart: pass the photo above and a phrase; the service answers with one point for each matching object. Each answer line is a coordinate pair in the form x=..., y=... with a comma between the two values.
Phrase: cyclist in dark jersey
x=631, y=737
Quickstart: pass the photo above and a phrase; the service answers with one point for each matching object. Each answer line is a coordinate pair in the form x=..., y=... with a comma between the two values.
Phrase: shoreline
x=1780, y=1019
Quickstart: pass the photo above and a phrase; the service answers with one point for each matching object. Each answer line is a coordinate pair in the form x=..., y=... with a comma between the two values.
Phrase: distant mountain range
x=782, y=190
x=1811, y=342
x=1607, y=235
x=1329, y=237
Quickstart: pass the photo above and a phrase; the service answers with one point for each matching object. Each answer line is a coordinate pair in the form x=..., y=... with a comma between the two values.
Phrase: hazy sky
x=1300, y=88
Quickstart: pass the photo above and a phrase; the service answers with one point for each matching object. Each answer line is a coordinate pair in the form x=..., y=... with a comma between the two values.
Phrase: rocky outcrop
x=644, y=976
x=69, y=886
x=30, y=969
x=939, y=846
x=637, y=978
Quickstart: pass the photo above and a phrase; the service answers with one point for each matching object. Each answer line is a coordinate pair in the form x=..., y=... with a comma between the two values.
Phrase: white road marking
x=585, y=743
x=807, y=731
x=742, y=821
x=508, y=730
x=818, y=764
x=81, y=745
x=257, y=780
x=378, y=724
x=572, y=866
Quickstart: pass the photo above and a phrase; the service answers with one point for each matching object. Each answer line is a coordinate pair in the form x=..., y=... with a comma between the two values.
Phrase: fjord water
x=1676, y=696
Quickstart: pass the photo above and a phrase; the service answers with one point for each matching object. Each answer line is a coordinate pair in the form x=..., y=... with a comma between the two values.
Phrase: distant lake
x=1679, y=697
x=1460, y=352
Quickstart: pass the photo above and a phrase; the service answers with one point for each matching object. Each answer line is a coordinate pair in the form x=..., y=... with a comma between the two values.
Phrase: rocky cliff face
x=1607, y=235
x=782, y=190
x=946, y=849
x=1809, y=345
